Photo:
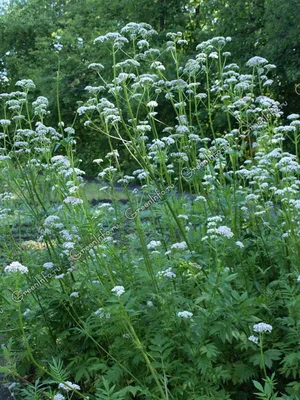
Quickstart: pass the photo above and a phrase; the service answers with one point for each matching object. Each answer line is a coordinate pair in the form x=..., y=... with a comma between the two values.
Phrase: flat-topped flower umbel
x=16, y=267
x=262, y=327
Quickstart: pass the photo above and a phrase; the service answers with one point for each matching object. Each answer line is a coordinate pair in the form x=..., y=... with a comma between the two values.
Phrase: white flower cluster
x=40, y=105
x=58, y=397
x=253, y=339
x=107, y=170
x=16, y=267
x=168, y=273
x=26, y=84
x=213, y=231
x=153, y=244
x=152, y=104
x=48, y=265
x=74, y=201
x=66, y=388
x=184, y=314
x=224, y=231
x=262, y=327
x=179, y=246
x=5, y=122
x=52, y=222
x=118, y=290
x=256, y=61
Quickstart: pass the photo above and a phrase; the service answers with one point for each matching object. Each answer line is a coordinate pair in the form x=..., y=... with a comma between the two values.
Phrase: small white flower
x=48, y=265
x=198, y=198
x=118, y=290
x=27, y=311
x=12, y=385
x=256, y=62
x=262, y=327
x=253, y=339
x=73, y=200
x=113, y=153
x=126, y=336
x=217, y=218
x=168, y=273
x=152, y=104
x=184, y=314
x=182, y=216
x=59, y=397
x=98, y=160
x=214, y=54
x=180, y=246
x=240, y=244
x=66, y=388
x=100, y=312
x=5, y=122
x=68, y=245
x=149, y=303
x=298, y=279
x=74, y=294
x=293, y=116
x=16, y=267
x=224, y=231
x=153, y=244
x=59, y=276
x=26, y=84
x=96, y=66
x=58, y=46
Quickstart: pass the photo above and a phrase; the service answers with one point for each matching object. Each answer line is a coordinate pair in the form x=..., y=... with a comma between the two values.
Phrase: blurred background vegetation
x=36, y=35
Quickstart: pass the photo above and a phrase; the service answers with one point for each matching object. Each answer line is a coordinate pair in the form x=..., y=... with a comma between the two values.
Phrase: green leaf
x=270, y=355
x=58, y=371
x=258, y=386
x=210, y=350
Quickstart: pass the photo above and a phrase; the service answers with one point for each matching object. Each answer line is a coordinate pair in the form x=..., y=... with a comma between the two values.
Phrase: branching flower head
x=26, y=84
x=40, y=105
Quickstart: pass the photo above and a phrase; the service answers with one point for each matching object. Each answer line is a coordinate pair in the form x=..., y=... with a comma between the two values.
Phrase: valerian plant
x=163, y=297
